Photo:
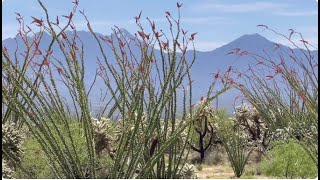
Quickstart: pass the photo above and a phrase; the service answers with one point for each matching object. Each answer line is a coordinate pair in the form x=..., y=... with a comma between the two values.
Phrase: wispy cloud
x=295, y=13
x=207, y=45
x=207, y=20
x=312, y=40
x=279, y=9
x=240, y=8
x=193, y=20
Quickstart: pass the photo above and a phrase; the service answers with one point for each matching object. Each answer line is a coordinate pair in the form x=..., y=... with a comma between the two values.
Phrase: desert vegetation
x=150, y=125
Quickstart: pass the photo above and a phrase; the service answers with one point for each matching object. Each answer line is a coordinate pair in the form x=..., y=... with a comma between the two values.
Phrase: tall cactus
x=204, y=130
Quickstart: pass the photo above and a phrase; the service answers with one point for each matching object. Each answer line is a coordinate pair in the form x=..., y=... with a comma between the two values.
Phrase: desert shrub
x=288, y=160
x=36, y=163
x=216, y=155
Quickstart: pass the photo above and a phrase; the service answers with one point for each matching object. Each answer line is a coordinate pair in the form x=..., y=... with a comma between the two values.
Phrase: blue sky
x=217, y=22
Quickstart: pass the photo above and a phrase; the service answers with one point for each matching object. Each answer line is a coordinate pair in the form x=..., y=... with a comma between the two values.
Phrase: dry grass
x=225, y=172
x=221, y=168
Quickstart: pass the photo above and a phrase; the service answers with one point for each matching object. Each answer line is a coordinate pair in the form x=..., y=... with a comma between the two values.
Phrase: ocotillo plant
x=285, y=90
x=143, y=89
x=238, y=150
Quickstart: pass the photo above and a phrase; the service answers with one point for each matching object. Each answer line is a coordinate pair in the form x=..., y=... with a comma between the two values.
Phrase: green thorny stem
x=145, y=92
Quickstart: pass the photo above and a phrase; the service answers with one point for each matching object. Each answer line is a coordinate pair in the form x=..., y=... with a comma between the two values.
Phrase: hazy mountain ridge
x=206, y=62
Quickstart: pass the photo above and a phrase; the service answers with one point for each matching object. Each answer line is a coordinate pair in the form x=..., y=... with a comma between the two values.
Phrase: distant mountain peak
x=252, y=37
x=123, y=32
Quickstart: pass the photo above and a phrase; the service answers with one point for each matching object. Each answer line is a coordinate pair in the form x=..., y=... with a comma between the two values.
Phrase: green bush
x=35, y=162
x=288, y=160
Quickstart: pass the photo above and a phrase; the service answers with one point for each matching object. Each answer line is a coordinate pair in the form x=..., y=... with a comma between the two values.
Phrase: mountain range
x=206, y=63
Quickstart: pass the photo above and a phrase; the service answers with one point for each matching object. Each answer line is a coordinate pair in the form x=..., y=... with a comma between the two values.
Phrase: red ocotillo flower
x=277, y=46
x=291, y=32
x=202, y=99
x=153, y=25
x=192, y=36
x=64, y=36
x=168, y=13
x=302, y=95
x=231, y=81
x=234, y=51
x=29, y=29
x=142, y=35
x=106, y=39
x=76, y=2
x=164, y=45
x=70, y=15
x=229, y=69
x=278, y=70
x=59, y=70
x=46, y=62
x=179, y=5
x=18, y=14
x=184, y=32
x=73, y=55
x=216, y=75
x=39, y=22
x=72, y=27
x=147, y=36
x=122, y=44
x=57, y=22
x=304, y=41
x=138, y=17
x=158, y=35
x=261, y=25
x=270, y=77
x=243, y=53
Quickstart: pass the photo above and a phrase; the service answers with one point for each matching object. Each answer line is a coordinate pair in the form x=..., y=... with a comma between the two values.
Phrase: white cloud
x=9, y=30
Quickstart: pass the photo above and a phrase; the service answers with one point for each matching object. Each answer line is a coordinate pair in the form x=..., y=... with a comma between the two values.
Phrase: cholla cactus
x=204, y=129
x=11, y=145
x=188, y=172
x=7, y=172
x=242, y=111
x=250, y=121
x=103, y=141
